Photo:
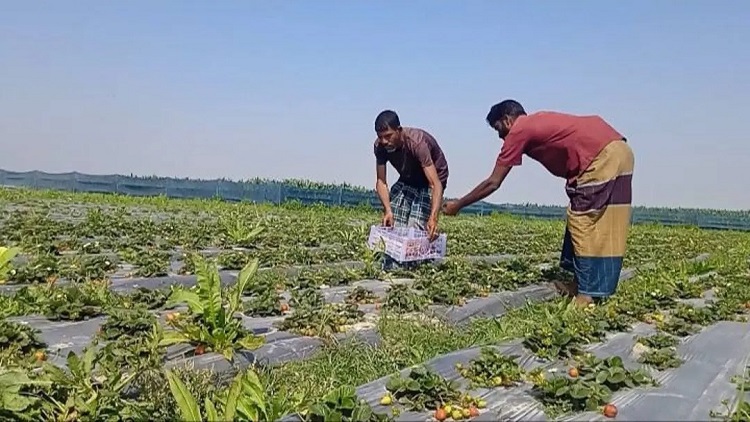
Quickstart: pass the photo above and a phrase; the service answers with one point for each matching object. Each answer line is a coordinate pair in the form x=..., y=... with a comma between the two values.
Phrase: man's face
x=502, y=127
x=390, y=138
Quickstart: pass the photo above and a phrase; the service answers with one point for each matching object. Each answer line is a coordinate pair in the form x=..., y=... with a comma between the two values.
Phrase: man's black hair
x=387, y=119
x=503, y=109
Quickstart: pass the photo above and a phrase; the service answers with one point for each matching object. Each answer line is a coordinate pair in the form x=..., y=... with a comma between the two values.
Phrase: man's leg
x=420, y=213
x=401, y=206
x=420, y=208
x=567, y=263
x=401, y=199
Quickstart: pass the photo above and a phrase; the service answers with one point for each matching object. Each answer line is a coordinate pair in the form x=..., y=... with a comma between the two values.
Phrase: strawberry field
x=119, y=308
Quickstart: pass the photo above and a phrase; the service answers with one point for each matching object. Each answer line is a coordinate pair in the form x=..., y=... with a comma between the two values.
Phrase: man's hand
x=388, y=219
x=451, y=208
x=431, y=227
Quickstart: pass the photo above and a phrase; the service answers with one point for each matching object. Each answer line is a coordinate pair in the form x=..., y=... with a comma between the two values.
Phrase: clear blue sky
x=283, y=89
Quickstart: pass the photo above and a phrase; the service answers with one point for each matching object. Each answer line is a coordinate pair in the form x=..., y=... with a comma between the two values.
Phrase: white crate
x=406, y=244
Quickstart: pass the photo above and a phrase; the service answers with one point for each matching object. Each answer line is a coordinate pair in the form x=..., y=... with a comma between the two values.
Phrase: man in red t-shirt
x=597, y=164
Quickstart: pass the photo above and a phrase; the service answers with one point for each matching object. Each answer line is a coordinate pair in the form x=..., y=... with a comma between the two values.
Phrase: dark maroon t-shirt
x=563, y=143
x=419, y=150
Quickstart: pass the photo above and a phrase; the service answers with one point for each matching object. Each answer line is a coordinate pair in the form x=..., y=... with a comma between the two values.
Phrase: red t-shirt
x=563, y=143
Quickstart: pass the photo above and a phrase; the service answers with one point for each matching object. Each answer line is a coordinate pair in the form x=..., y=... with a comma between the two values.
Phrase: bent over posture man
x=597, y=164
x=415, y=199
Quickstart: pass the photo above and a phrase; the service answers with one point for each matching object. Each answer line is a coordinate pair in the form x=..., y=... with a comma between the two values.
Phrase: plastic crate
x=406, y=244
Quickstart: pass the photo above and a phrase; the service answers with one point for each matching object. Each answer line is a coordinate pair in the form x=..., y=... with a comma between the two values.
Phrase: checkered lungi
x=411, y=206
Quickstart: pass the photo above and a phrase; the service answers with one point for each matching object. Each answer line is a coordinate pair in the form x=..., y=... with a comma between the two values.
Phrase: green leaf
x=615, y=361
x=578, y=392
x=617, y=377
x=89, y=358
x=235, y=389
x=562, y=391
x=251, y=342
x=362, y=413
x=592, y=404
x=185, y=401
x=228, y=353
x=602, y=376
x=348, y=403
x=393, y=384
x=186, y=296
x=209, y=290
x=74, y=363
x=212, y=415
x=252, y=402
x=173, y=337
x=243, y=279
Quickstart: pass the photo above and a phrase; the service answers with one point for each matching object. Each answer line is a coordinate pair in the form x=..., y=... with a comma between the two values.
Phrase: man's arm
x=436, y=185
x=421, y=152
x=381, y=187
x=486, y=187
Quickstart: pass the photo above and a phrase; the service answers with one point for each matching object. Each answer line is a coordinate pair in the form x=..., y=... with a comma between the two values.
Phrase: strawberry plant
x=688, y=289
x=150, y=262
x=16, y=338
x=233, y=260
x=87, y=268
x=659, y=341
x=42, y=268
x=127, y=322
x=148, y=298
x=307, y=298
x=138, y=352
x=342, y=404
x=401, y=298
x=588, y=387
x=6, y=262
x=422, y=389
x=563, y=331
x=265, y=304
x=661, y=358
x=74, y=303
x=695, y=315
x=264, y=282
x=188, y=263
x=212, y=319
x=324, y=321
x=361, y=295
x=492, y=369
x=614, y=316
x=678, y=327
x=327, y=276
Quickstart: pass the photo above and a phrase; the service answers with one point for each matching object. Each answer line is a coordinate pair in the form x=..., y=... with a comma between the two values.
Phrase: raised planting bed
x=686, y=356
x=280, y=346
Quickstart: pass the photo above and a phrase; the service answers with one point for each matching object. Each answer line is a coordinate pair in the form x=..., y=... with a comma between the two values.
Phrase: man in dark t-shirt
x=597, y=164
x=416, y=198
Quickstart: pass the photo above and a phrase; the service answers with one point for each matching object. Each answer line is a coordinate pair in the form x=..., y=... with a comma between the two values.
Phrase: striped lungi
x=598, y=220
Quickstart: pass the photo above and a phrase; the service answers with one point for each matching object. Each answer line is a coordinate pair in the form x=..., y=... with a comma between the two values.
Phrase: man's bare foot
x=583, y=300
x=566, y=288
